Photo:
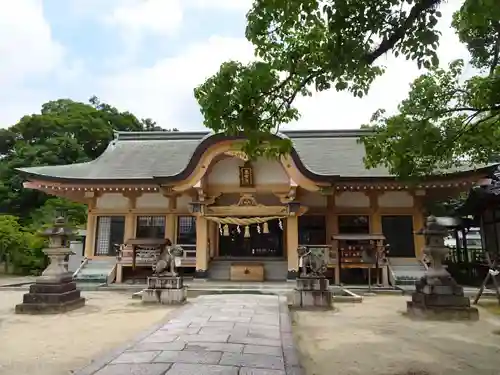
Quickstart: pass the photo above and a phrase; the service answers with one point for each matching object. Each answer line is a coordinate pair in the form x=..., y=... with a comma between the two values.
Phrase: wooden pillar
x=91, y=233
x=332, y=228
x=376, y=219
x=201, y=247
x=171, y=221
x=213, y=232
x=292, y=243
x=171, y=227
x=130, y=217
x=418, y=223
x=129, y=227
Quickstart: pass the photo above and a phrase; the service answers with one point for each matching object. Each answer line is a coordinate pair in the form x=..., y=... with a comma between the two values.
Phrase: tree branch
x=496, y=51
x=400, y=32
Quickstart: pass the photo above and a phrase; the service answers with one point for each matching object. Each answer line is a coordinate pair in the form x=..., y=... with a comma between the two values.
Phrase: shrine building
x=201, y=192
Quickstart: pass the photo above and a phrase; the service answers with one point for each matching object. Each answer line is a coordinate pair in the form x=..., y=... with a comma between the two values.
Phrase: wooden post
x=201, y=246
x=91, y=233
x=292, y=241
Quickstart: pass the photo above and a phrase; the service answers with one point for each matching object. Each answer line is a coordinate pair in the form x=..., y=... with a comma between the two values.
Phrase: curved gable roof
x=148, y=156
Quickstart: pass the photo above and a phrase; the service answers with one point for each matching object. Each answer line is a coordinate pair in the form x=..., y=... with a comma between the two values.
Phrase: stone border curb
x=102, y=361
x=290, y=352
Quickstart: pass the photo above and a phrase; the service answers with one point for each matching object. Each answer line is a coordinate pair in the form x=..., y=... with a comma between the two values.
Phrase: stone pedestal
x=167, y=290
x=312, y=293
x=442, y=299
x=51, y=296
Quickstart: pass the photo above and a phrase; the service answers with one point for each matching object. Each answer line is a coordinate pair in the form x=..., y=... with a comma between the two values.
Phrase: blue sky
x=146, y=56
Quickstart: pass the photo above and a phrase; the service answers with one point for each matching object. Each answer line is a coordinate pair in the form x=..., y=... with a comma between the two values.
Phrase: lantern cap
x=58, y=229
x=434, y=226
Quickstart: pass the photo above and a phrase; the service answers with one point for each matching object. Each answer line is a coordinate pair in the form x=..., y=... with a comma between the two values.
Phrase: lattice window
x=354, y=224
x=110, y=231
x=186, y=233
x=150, y=227
x=312, y=230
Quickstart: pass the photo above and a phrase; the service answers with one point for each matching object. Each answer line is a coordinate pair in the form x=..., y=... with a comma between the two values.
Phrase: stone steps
x=274, y=270
x=95, y=271
x=406, y=272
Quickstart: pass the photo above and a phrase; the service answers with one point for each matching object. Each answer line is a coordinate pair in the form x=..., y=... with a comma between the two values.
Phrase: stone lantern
x=54, y=291
x=437, y=295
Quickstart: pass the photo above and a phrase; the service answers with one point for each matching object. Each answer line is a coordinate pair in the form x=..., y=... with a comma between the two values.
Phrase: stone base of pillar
x=201, y=274
x=312, y=293
x=440, y=299
x=166, y=290
x=292, y=275
x=51, y=298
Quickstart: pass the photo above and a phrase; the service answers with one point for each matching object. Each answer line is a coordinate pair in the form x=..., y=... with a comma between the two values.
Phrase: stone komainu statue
x=312, y=262
x=166, y=261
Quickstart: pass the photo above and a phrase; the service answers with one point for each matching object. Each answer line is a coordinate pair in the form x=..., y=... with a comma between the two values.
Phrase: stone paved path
x=223, y=335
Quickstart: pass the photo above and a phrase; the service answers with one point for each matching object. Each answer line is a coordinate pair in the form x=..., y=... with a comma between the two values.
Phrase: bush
x=21, y=250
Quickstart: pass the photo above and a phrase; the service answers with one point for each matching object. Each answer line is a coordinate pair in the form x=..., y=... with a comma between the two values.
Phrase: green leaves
x=447, y=122
x=64, y=132
x=444, y=123
x=306, y=45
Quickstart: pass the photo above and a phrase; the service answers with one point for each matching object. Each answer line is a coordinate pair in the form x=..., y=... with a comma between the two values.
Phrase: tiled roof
x=146, y=155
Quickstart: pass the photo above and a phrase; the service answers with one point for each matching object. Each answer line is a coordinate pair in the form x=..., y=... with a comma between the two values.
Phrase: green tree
x=18, y=248
x=306, y=45
x=64, y=132
x=445, y=121
x=75, y=213
x=334, y=44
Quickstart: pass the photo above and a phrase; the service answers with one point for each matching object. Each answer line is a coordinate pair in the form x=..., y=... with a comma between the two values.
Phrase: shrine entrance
x=254, y=240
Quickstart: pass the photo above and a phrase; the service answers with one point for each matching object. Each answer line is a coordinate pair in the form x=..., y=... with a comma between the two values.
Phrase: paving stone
x=217, y=335
x=192, y=369
x=256, y=327
x=253, y=341
x=135, y=369
x=266, y=320
x=253, y=360
x=258, y=349
x=148, y=346
x=136, y=357
x=161, y=336
x=177, y=323
x=215, y=346
x=190, y=356
x=294, y=370
x=223, y=337
x=219, y=324
x=215, y=330
x=260, y=371
x=261, y=334
x=234, y=319
x=291, y=357
x=182, y=330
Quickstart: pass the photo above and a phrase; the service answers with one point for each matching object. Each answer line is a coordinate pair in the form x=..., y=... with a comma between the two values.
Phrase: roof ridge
x=198, y=135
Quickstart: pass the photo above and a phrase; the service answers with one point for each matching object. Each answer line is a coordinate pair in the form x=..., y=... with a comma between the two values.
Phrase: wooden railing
x=330, y=255
x=147, y=257
x=189, y=256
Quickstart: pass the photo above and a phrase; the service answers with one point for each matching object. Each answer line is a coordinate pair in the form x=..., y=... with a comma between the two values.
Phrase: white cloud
x=159, y=91
x=221, y=4
x=141, y=18
x=27, y=51
x=164, y=90
x=26, y=45
x=333, y=110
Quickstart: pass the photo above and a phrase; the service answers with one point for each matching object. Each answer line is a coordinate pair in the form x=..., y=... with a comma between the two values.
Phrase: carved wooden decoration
x=246, y=176
x=247, y=200
x=237, y=154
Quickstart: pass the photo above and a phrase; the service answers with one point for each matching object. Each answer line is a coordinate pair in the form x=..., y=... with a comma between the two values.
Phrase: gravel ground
x=375, y=338
x=60, y=344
